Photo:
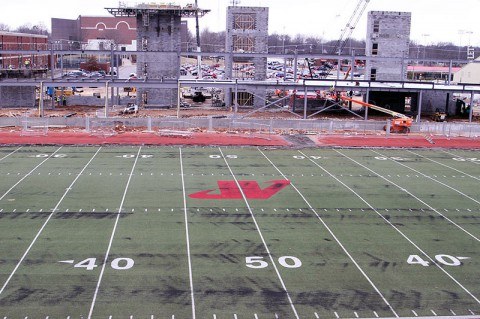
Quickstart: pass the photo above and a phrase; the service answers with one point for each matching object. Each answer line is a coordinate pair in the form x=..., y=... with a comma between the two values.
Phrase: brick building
x=22, y=41
x=97, y=33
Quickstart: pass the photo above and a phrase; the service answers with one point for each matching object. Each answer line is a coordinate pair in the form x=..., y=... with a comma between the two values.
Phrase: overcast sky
x=433, y=21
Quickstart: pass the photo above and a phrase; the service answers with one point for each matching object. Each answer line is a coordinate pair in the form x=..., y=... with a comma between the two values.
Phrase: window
x=373, y=74
x=244, y=21
x=144, y=44
x=374, y=48
x=243, y=44
x=244, y=98
x=376, y=26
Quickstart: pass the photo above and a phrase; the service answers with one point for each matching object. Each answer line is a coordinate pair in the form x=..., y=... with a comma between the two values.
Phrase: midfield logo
x=251, y=189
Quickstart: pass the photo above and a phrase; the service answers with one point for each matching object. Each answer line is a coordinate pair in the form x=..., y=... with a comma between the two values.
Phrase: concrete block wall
x=259, y=34
x=17, y=96
x=160, y=41
x=390, y=31
x=431, y=100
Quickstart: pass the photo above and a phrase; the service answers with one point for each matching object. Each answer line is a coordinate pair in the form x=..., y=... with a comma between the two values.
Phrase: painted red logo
x=251, y=189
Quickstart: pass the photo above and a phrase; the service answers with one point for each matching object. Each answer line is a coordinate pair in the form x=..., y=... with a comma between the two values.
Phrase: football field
x=93, y=232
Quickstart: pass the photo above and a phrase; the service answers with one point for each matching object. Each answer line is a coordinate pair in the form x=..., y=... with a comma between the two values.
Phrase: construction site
x=243, y=83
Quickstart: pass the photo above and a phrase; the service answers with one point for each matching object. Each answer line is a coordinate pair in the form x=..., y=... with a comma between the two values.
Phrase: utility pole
x=199, y=57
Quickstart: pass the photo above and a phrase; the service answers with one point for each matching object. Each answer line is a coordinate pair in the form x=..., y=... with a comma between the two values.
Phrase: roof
x=432, y=69
x=18, y=34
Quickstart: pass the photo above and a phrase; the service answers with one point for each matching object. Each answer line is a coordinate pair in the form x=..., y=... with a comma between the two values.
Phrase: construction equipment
x=439, y=116
x=400, y=124
x=131, y=108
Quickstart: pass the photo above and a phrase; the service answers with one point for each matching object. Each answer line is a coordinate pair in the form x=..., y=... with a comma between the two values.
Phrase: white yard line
x=431, y=178
x=447, y=166
x=112, y=236
x=187, y=232
x=434, y=262
x=261, y=237
x=1, y=159
x=331, y=231
x=413, y=195
x=45, y=224
x=29, y=173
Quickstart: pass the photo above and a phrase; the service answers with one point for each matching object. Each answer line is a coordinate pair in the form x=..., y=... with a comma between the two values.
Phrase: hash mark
x=433, y=312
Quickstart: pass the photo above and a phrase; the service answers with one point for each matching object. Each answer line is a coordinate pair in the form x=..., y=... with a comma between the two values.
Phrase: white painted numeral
x=470, y=159
x=446, y=260
x=226, y=156
x=88, y=264
x=117, y=263
x=417, y=260
x=257, y=262
x=133, y=155
x=394, y=158
x=303, y=157
x=122, y=263
x=47, y=155
x=290, y=262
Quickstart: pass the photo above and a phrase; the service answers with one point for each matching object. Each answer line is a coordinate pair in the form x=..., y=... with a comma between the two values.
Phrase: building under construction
x=247, y=32
x=158, y=47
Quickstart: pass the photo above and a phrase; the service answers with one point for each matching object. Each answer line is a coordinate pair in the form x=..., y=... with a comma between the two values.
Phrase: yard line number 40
x=91, y=263
x=446, y=260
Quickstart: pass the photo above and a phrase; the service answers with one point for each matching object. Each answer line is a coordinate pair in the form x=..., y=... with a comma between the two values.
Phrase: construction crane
x=346, y=33
x=351, y=25
x=400, y=124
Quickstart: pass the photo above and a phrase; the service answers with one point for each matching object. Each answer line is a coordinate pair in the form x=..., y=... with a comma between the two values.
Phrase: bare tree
x=4, y=27
x=39, y=28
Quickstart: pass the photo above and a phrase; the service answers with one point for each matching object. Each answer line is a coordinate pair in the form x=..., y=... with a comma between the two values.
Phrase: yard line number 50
x=258, y=262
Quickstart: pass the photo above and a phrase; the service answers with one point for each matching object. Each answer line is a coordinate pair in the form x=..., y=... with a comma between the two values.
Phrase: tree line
x=29, y=28
x=287, y=44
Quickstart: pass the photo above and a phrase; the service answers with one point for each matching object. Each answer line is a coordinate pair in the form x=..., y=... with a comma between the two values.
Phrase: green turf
x=336, y=242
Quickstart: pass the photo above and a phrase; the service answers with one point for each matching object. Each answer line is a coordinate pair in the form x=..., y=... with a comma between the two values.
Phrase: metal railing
x=264, y=126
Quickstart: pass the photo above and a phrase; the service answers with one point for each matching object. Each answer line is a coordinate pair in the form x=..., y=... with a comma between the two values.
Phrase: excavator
x=400, y=124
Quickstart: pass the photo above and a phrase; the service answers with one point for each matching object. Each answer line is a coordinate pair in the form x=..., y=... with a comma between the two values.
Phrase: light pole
x=460, y=33
x=425, y=35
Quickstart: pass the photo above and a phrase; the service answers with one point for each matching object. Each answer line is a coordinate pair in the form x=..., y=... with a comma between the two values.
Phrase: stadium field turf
x=224, y=232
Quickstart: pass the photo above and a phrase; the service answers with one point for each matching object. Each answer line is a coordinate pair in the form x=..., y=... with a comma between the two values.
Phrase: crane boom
x=351, y=24
x=375, y=107
x=401, y=123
